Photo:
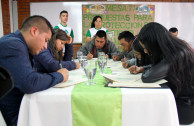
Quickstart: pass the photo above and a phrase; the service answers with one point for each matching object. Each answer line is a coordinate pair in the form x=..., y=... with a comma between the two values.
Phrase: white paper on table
x=75, y=77
x=138, y=84
x=122, y=77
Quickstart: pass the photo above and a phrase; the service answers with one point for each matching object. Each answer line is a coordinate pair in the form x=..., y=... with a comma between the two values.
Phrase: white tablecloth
x=140, y=107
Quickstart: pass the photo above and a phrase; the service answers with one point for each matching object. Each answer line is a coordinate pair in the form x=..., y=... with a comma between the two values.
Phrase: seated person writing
x=173, y=60
x=126, y=40
x=99, y=44
x=17, y=50
x=50, y=60
x=141, y=60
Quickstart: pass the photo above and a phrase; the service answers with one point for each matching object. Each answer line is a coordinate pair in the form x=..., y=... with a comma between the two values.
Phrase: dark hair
x=173, y=30
x=94, y=19
x=145, y=59
x=162, y=45
x=63, y=11
x=127, y=35
x=100, y=34
x=58, y=34
x=39, y=21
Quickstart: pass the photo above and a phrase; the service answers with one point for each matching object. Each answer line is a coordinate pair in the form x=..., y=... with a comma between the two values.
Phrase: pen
x=125, y=59
x=135, y=62
x=60, y=65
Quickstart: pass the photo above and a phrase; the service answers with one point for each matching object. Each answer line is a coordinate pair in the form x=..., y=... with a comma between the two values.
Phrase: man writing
x=99, y=44
x=16, y=50
x=126, y=40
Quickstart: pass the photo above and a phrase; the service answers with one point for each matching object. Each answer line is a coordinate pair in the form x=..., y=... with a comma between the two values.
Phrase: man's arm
x=16, y=59
x=112, y=49
x=85, y=49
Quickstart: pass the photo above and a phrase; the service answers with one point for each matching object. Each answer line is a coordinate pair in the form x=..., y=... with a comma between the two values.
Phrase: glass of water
x=101, y=54
x=79, y=53
x=90, y=71
x=83, y=61
x=102, y=63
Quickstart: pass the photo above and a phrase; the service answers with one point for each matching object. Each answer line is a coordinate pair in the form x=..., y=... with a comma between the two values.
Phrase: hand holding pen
x=89, y=55
x=125, y=62
x=135, y=69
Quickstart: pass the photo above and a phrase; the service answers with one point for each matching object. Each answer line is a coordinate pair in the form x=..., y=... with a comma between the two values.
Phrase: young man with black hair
x=99, y=44
x=126, y=40
x=16, y=55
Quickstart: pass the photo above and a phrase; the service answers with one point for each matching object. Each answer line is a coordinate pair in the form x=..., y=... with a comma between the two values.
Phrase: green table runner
x=96, y=105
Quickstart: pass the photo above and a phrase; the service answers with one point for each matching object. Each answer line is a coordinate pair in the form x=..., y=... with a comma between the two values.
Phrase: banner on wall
x=117, y=18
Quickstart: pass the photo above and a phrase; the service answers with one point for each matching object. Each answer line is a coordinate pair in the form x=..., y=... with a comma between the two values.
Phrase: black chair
x=6, y=82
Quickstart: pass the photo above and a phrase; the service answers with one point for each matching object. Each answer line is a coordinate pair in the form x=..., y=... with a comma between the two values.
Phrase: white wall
x=13, y=15
x=1, y=21
x=169, y=14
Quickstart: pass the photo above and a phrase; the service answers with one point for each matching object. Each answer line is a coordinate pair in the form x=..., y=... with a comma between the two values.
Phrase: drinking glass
x=90, y=71
x=102, y=63
x=101, y=54
x=83, y=61
x=79, y=54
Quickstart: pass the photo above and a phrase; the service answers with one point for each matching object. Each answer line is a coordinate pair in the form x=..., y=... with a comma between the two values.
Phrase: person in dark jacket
x=51, y=59
x=16, y=55
x=173, y=60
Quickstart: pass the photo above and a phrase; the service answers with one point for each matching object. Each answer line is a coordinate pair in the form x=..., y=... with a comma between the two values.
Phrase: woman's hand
x=70, y=39
x=135, y=69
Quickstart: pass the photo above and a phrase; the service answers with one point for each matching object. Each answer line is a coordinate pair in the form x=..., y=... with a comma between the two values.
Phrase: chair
x=6, y=82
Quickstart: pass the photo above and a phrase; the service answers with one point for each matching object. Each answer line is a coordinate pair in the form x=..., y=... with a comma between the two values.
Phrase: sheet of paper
x=138, y=84
x=123, y=77
x=75, y=77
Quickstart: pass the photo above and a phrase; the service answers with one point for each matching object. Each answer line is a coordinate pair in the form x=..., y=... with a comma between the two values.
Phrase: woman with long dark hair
x=173, y=60
x=50, y=60
x=96, y=25
x=141, y=60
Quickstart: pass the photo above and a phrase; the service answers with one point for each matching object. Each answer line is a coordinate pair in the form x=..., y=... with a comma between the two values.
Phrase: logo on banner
x=95, y=9
x=144, y=10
